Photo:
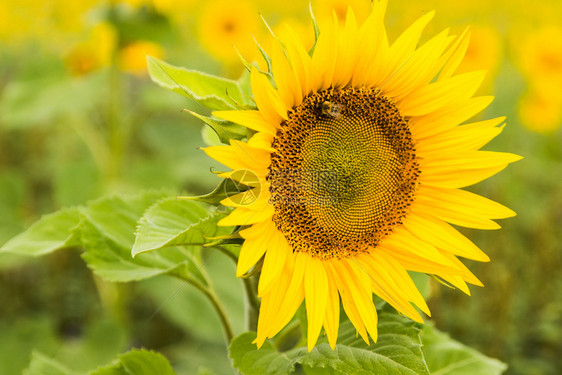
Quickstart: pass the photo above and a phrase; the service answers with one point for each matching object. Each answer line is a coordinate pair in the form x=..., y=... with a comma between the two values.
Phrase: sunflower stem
x=210, y=293
x=252, y=303
x=221, y=312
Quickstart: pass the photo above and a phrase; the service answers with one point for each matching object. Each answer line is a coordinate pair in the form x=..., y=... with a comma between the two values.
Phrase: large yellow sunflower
x=361, y=160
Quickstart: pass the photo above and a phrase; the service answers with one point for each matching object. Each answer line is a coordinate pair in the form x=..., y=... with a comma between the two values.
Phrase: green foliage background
x=67, y=140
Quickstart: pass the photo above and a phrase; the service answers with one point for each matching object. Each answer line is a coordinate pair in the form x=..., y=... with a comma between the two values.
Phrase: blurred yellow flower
x=93, y=53
x=172, y=8
x=484, y=51
x=48, y=20
x=132, y=58
x=224, y=24
x=541, y=108
x=540, y=54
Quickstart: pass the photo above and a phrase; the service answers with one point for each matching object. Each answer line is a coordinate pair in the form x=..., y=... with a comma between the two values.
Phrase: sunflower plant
x=343, y=168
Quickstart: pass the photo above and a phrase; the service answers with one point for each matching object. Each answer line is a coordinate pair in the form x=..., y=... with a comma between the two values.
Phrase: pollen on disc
x=344, y=172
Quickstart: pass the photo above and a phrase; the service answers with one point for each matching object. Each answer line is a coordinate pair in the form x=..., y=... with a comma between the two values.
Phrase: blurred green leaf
x=23, y=335
x=42, y=365
x=397, y=351
x=210, y=91
x=176, y=222
x=43, y=101
x=445, y=356
x=138, y=362
x=52, y=232
x=102, y=340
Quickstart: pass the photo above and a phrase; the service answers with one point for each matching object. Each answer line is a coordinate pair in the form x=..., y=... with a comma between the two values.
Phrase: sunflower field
x=265, y=187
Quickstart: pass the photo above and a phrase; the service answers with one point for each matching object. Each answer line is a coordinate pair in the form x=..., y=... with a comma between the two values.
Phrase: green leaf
x=144, y=362
x=116, y=216
x=42, y=365
x=138, y=362
x=107, y=231
x=213, y=92
x=225, y=130
x=52, y=232
x=251, y=361
x=176, y=222
x=397, y=352
x=445, y=356
x=115, y=263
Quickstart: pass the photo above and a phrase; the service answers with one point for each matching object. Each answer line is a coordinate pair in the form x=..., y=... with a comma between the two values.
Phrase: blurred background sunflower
x=79, y=118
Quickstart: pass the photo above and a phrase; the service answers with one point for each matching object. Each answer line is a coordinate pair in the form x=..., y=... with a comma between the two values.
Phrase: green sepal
x=225, y=130
x=316, y=30
x=226, y=188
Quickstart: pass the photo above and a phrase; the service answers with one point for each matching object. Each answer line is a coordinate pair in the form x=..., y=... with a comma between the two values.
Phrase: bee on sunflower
x=362, y=148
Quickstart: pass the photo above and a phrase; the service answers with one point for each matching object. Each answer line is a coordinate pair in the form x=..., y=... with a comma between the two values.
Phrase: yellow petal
x=334, y=269
x=467, y=202
x=457, y=52
x=267, y=99
x=441, y=94
x=419, y=69
x=276, y=254
x=443, y=236
x=447, y=117
x=348, y=51
x=293, y=297
x=441, y=211
x=464, y=138
x=404, y=282
x=254, y=247
x=239, y=156
x=413, y=262
x=453, y=179
x=287, y=83
x=299, y=58
x=466, y=275
x=271, y=303
x=371, y=36
x=243, y=216
x=332, y=317
x=251, y=119
x=324, y=57
x=404, y=240
x=403, y=48
x=316, y=290
x=456, y=281
x=384, y=279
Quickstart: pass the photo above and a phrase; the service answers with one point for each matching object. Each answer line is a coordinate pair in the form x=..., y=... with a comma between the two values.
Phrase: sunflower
x=361, y=160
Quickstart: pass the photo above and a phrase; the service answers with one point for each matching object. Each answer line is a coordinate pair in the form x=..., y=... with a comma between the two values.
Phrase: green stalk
x=210, y=293
x=252, y=303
